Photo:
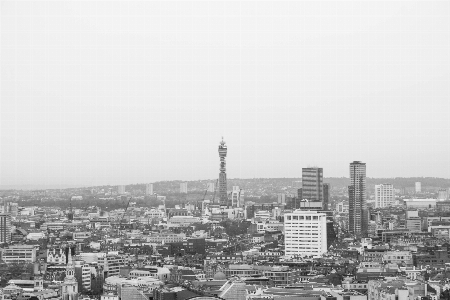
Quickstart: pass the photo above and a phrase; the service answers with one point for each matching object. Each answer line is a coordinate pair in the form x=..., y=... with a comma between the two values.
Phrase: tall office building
x=5, y=208
x=183, y=188
x=281, y=198
x=295, y=203
x=305, y=233
x=223, y=198
x=418, y=187
x=5, y=228
x=384, y=195
x=237, y=197
x=357, y=199
x=121, y=189
x=326, y=196
x=149, y=189
x=442, y=195
x=312, y=184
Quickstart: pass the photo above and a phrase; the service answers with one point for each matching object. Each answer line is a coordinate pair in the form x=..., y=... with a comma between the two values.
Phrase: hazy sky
x=120, y=92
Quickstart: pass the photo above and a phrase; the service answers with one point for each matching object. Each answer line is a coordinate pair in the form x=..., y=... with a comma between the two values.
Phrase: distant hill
x=271, y=186
x=258, y=186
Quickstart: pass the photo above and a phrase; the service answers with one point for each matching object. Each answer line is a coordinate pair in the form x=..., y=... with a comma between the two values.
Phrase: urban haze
x=225, y=150
x=121, y=92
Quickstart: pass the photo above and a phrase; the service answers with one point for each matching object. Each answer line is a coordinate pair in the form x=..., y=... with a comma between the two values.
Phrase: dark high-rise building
x=326, y=195
x=223, y=197
x=295, y=203
x=312, y=184
x=357, y=199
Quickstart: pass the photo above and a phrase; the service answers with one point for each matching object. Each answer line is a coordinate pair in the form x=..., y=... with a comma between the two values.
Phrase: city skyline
x=170, y=150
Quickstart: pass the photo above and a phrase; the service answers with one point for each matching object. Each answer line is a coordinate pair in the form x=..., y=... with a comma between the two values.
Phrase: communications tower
x=223, y=198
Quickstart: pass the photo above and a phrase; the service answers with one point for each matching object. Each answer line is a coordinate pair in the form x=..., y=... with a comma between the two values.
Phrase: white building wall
x=183, y=187
x=305, y=233
x=149, y=189
x=418, y=187
x=121, y=189
x=384, y=195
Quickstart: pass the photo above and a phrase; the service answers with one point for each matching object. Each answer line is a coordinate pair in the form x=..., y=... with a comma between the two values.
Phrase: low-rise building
x=165, y=238
x=182, y=221
x=19, y=254
x=114, y=284
x=81, y=235
x=111, y=264
x=398, y=257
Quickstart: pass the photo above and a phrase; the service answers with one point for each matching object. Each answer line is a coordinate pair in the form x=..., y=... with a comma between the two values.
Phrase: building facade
x=312, y=184
x=384, y=195
x=83, y=275
x=357, y=197
x=305, y=233
x=16, y=254
x=111, y=264
x=149, y=189
x=183, y=188
x=121, y=189
x=237, y=197
x=418, y=187
x=326, y=196
x=5, y=228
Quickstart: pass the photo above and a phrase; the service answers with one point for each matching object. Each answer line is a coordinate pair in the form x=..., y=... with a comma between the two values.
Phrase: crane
x=204, y=195
x=125, y=211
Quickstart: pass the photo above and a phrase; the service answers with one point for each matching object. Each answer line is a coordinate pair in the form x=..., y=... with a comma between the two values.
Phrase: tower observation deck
x=223, y=198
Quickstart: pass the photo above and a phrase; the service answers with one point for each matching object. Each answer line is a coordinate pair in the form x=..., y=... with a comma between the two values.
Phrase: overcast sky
x=121, y=92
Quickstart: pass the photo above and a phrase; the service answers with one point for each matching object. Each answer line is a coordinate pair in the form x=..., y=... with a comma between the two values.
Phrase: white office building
x=262, y=214
x=305, y=233
x=183, y=188
x=17, y=254
x=281, y=199
x=237, y=197
x=418, y=187
x=121, y=189
x=149, y=189
x=442, y=195
x=384, y=195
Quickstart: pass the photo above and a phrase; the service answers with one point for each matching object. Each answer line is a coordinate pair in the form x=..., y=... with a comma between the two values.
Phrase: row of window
x=308, y=218
x=296, y=225
x=301, y=243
